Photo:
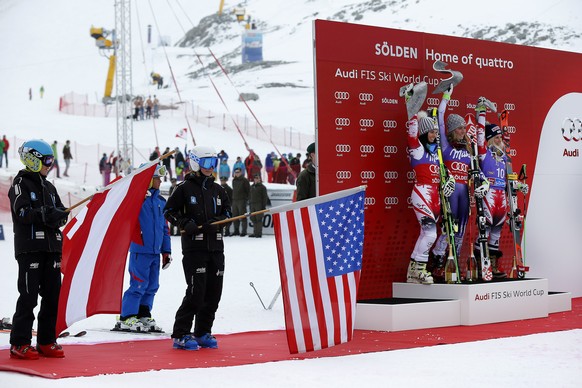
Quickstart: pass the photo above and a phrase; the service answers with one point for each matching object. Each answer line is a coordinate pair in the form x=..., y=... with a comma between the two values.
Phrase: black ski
x=515, y=216
x=486, y=273
x=448, y=219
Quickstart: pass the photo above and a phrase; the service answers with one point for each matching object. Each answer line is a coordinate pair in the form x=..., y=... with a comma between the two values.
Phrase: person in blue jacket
x=144, y=261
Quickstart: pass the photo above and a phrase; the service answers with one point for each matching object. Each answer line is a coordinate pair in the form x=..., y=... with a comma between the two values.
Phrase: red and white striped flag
x=95, y=246
x=319, y=245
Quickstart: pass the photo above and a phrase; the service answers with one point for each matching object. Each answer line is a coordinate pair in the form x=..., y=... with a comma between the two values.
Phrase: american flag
x=319, y=245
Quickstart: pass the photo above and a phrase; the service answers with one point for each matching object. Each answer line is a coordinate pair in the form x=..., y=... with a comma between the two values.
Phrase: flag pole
x=279, y=209
x=114, y=182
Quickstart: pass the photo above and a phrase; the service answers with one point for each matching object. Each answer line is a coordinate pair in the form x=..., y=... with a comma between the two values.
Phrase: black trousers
x=39, y=273
x=204, y=272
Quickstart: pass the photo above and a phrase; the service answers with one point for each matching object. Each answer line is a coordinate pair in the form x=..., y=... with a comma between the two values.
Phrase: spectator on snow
x=258, y=201
x=155, y=154
x=269, y=166
x=240, y=196
x=240, y=165
x=306, y=179
x=105, y=169
x=167, y=162
x=224, y=169
x=222, y=155
x=67, y=156
x=56, y=161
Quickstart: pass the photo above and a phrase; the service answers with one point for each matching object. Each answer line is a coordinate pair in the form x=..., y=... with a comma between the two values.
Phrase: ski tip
x=64, y=334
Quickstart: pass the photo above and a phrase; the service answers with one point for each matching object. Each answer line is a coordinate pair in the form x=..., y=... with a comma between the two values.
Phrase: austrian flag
x=95, y=246
x=319, y=245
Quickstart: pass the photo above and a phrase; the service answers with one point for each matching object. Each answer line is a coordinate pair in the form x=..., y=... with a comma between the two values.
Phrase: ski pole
x=258, y=296
x=275, y=298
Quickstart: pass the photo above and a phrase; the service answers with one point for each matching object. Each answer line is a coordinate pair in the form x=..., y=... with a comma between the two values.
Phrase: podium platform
x=417, y=306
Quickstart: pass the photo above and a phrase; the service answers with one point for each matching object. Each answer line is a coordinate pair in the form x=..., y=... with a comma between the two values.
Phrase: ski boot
x=53, y=350
x=207, y=341
x=495, y=256
x=131, y=324
x=150, y=324
x=438, y=269
x=23, y=352
x=186, y=342
x=418, y=274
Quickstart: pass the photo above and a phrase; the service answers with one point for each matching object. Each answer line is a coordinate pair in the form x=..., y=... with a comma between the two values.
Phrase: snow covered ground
x=48, y=43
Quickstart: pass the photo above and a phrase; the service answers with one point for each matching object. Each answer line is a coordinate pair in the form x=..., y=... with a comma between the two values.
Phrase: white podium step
x=416, y=306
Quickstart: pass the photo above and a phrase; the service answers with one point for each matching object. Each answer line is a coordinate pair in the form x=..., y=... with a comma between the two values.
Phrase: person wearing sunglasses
x=37, y=214
x=144, y=261
x=195, y=205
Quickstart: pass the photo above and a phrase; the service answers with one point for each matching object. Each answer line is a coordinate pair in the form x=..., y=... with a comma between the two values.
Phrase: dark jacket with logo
x=31, y=197
x=200, y=199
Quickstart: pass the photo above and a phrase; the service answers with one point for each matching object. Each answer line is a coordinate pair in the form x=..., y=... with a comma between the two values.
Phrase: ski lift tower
x=123, y=85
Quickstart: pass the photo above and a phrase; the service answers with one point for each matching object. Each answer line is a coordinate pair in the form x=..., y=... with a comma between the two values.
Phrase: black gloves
x=209, y=228
x=190, y=227
x=54, y=217
x=166, y=260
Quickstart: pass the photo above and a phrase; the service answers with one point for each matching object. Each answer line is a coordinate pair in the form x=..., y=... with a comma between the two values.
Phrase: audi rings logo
x=370, y=201
x=342, y=95
x=512, y=152
x=510, y=129
x=343, y=148
x=366, y=123
x=508, y=106
x=434, y=168
x=572, y=129
x=454, y=103
x=388, y=124
x=391, y=174
x=366, y=97
x=390, y=149
x=367, y=149
x=459, y=166
x=432, y=101
x=411, y=175
x=342, y=122
x=367, y=175
x=343, y=175
x=390, y=200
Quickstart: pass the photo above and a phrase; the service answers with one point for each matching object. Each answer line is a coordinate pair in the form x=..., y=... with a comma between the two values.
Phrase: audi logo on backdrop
x=343, y=148
x=342, y=121
x=342, y=95
x=366, y=97
x=370, y=201
x=366, y=123
x=454, y=103
x=367, y=149
x=409, y=200
x=510, y=129
x=434, y=169
x=343, y=175
x=390, y=149
x=432, y=101
x=411, y=175
x=508, y=106
x=389, y=124
x=512, y=152
x=390, y=200
x=367, y=175
x=390, y=174
x=572, y=129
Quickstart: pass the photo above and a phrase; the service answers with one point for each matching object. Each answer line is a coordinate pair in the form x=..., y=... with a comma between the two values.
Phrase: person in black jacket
x=194, y=206
x=37, y=214
x=258, y=201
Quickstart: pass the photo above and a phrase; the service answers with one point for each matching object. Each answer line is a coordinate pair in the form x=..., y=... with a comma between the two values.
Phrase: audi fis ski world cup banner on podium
x=361, y=139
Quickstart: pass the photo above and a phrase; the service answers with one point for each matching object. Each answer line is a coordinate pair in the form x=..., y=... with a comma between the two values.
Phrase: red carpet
x=267, y=346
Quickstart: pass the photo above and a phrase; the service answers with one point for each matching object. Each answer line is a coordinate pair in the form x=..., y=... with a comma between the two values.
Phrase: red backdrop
x=361, y=119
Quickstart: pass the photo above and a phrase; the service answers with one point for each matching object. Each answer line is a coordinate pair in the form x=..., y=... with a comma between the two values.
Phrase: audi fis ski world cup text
x=498, y=295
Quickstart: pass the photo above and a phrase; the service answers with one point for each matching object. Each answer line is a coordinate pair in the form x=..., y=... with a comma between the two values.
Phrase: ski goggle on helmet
x=36, y=153
x=202, y=157
x=160, y=171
